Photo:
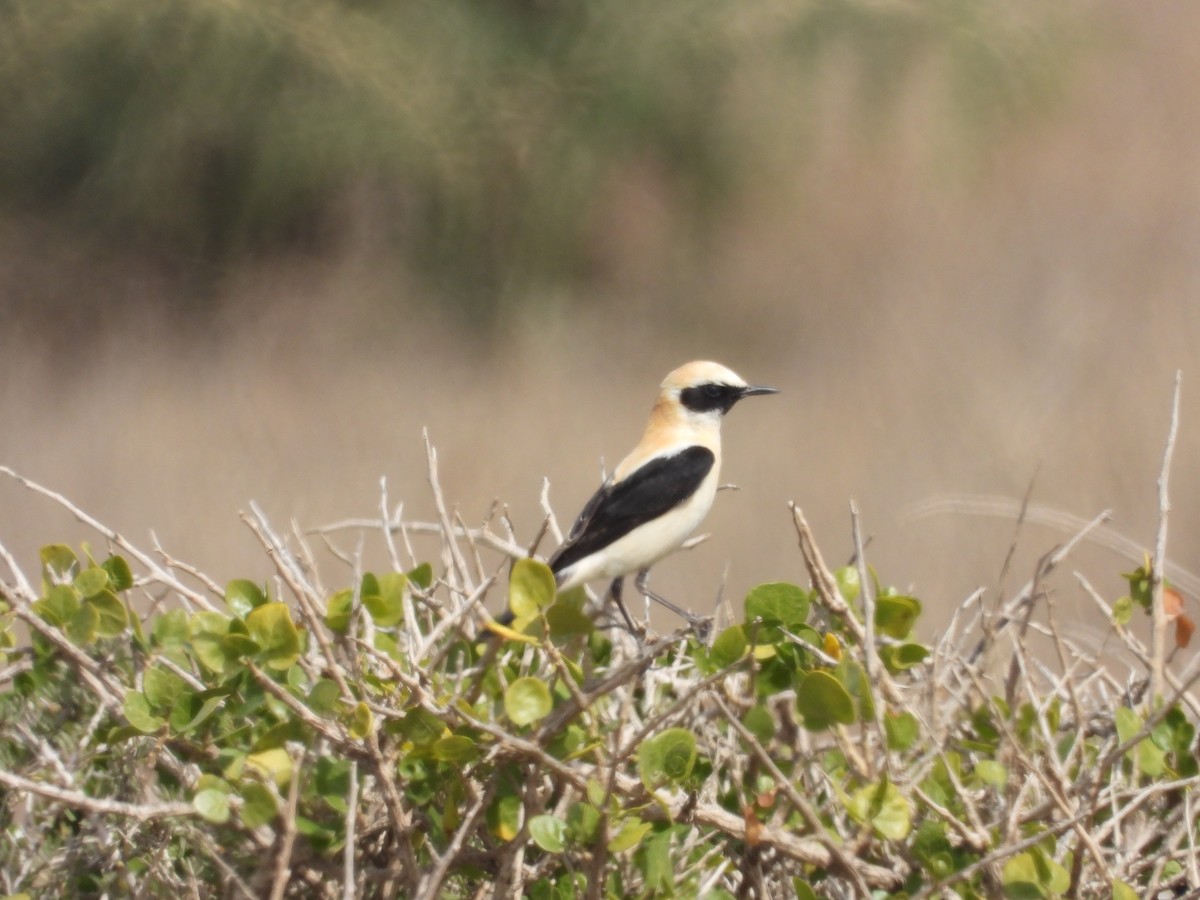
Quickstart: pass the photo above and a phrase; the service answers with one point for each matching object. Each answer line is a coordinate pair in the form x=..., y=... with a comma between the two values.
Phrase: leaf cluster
x=278, y=739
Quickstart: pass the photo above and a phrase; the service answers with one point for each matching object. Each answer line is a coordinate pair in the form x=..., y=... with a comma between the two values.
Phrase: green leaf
x=504, y=817
x=137, y=711
x=895, y=615
x=1122, y=610
x=362, y=723
x=455, y=749
x=903, y=729
x=567, y=618
x=421, y=727
x=848, y=582
x=549, y=833
x=235, y=646
x=91, y=581
x=887, y=810
x=162, y=687
x=171, y=628
x=527, y=700
x=629, y=836
x=112, y=618
x=803, y=890
x=422, y=576
x=213, y=805
x=654, y=858
x=337, y=613
x=778, y=603
x=59, y=606
x=583, y=822
x=729, y=647
x=823, y=701
x=243, y=597
x=258, y=805
x=324, y=696
x=991, y=772
x=119, y=575
x=531, y=588
x=271, y=628
x=386, y=606
x=207, y=629
x=274, y=763
x=1122, y=891
x=666, y=757
x=1150, y=759
x=210, y=705
x=59, y=565
x=759, y=722
x=898, y=657
x=84, y=625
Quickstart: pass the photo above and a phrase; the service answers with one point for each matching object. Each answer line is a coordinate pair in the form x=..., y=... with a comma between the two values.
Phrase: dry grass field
x=937, y=327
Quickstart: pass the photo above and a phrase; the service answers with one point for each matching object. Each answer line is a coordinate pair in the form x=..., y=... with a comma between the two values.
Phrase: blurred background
x=249, y=250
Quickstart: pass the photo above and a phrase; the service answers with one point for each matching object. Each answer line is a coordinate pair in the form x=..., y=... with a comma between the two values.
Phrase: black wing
x=616, y=509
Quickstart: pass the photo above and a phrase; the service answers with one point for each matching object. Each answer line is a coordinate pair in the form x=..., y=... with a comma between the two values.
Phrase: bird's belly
x=646, y=544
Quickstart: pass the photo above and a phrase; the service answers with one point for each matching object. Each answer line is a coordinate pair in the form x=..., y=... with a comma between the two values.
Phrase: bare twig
x=1158, y=642
x=142, y=812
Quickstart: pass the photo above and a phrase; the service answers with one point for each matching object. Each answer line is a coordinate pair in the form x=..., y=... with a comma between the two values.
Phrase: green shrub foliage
x=161, y=735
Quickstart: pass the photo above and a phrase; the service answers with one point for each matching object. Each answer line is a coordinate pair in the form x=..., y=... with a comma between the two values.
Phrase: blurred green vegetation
x=480, y=141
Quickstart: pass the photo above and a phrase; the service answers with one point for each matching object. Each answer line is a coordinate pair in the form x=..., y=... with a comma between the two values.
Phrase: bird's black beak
x=756, y=389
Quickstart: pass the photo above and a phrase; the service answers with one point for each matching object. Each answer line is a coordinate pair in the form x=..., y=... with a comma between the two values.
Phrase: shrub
x=161, y=734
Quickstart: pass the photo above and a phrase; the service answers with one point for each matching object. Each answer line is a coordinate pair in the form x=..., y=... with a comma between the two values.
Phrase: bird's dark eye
x=712, y=390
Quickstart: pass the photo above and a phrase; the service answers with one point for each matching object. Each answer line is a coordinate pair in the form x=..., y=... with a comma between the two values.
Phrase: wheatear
x=660, y=492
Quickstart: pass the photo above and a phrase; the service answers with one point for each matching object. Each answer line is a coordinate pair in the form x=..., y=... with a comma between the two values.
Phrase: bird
x=659, y=494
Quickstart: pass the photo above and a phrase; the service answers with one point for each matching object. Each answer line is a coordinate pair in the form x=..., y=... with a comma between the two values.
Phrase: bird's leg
x=698, y=624
x=615, y=590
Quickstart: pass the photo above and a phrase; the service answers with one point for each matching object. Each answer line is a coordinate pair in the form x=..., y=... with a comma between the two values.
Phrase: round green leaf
x=903, y=729
x=235, y=646
x=422, y=576
x=171, y=628
x=362, y=723
x=273, y=763
x=629, y=835
x=337, y=613
x=59, y=564
x=888, y=811
x=386, y=605
x=455, y=748
x=83, y=628
x=531, y=588
x=896, y=614
x=667, y=757
x=112, y=617
x=898, y=657
x=728, y=648
x=1122, y=610
x=271, y=627
x=823, y=701
x=991, y=772
x=258, y=805
x=549, y=833
x=778, y=603
x=527, y=700
x=119, y=575
x=91, y=581
x=848, y=582
x=759, y=722
x=137, y=711
x=213, y=805
x=162, y=687
x=583, y=822
x=59, y=606
x=242, y=597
